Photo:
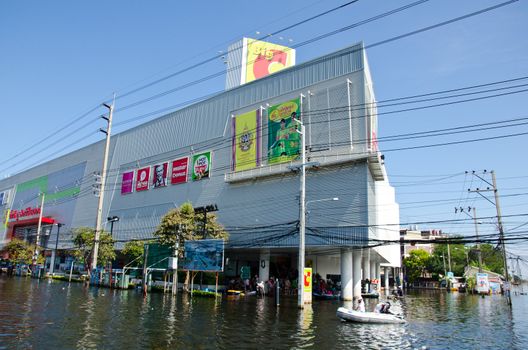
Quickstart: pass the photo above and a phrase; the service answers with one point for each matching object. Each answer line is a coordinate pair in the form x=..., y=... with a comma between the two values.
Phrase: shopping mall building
x=240, y=150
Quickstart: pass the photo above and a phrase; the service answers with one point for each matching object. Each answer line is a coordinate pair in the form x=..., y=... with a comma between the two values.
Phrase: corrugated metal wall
x=261, y=202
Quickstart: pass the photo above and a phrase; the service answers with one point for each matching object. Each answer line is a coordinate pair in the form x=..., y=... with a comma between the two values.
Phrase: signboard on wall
x=307, y=285
x=204, y=255
x=482, y=283
x=159, y=175
x=142, y=179
x=179, y=171
x=261, y=59
x=201, y=166
x=283, y=135
x=245, y=140
x=127, y=182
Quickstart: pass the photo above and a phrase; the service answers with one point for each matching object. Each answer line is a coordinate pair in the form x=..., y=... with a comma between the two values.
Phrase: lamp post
x=54, y=252
x=111, y=220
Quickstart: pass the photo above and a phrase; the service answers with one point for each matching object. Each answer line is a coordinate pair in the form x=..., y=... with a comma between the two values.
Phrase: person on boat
x=383, y=308
x=360, y=305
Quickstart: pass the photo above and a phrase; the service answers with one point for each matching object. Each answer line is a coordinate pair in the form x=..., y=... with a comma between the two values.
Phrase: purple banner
x=127, y=182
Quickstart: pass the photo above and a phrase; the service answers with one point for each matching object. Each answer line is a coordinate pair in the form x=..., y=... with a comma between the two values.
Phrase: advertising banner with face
x=284, y=139
x=159, y=175
x=201, y=166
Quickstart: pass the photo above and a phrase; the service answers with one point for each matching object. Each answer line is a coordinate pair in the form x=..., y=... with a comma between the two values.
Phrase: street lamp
x=54, y=252
x=111, y=220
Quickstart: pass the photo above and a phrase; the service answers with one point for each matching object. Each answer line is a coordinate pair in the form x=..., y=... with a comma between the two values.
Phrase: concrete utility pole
x=499, y=223
x=302, y=220
x=99, y=215
x=501, y=234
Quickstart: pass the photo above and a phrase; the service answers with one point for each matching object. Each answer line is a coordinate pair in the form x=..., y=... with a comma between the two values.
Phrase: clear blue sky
x=61, y=58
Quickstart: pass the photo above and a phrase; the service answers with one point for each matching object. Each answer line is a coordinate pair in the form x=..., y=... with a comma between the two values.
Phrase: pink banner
x=179, y=171
x=142, y=179
x=127, y=182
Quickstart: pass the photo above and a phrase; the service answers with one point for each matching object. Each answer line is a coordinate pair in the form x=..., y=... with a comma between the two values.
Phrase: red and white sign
x=142, y=179
x=24, y=214
x=179, y=171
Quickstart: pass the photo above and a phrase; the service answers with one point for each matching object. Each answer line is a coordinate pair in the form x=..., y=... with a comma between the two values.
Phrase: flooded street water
x=41, y=314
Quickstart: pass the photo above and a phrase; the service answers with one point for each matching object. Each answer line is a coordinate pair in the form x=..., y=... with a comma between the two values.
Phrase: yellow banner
x=307, y=283
x=245, y=145
x=263, y=59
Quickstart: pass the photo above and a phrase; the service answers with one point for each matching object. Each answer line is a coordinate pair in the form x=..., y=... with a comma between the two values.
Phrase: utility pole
x=499, y=223
x=302, y=220
x=501, y=234
x=99, y=215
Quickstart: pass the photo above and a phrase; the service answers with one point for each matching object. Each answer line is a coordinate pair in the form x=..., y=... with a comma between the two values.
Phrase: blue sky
x=62, y=58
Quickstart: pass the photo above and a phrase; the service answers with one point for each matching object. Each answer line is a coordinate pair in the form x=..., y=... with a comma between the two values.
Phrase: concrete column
x=52, y=262
x=356, y=272
x=386, y=278
x=373, y=264
x=378, y=272
x=366, y=264
x=346, y=274
x=264, y=265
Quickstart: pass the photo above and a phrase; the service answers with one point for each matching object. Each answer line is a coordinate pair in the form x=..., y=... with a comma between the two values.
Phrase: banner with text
x=179, y=171
x=127, y=182
x=263, y=58
x=283, y=137
x=201, y=165
x=142, y=179
x=245, y=140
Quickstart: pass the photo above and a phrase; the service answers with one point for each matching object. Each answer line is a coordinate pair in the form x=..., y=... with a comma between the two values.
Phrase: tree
x=83, y=241
x=19, y=251
x=133, y=251
x=183, y=224
x=458, y=258
x=492, y=258
x=416, y=264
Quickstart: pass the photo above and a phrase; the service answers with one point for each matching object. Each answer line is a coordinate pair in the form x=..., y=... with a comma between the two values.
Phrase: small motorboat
x=367, y=317
x=370, y=295
x=325, y=296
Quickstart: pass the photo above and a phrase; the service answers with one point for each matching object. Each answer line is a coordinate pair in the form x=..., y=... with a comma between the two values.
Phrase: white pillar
x=346, y=274
x=264, y=265
x=52, y=262
x=366, y=265
x=373, y=269
x=386, y=278
x=356, y=275
x=378, y=272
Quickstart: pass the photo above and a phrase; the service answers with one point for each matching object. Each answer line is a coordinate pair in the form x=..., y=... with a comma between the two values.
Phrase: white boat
x=367, y=317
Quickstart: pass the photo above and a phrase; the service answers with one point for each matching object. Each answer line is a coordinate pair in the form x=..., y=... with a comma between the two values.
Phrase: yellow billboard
x=262, y=59
x=245, y=141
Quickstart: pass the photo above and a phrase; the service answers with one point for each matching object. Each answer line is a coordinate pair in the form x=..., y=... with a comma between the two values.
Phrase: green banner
x=284, y=139
x=201, y=165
